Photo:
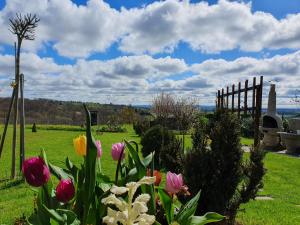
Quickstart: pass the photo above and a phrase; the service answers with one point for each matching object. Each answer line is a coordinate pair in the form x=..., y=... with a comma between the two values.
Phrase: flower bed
x=84, y=195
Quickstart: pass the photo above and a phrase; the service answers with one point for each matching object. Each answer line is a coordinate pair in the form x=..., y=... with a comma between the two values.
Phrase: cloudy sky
x=127, y=51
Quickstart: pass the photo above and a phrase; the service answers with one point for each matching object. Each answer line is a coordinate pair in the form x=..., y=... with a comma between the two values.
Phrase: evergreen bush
x=155, y=139
x=171, y=156
x=218, y=168
x=141, y=126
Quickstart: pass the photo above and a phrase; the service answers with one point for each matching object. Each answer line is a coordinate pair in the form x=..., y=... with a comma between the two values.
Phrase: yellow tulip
x=80, y=145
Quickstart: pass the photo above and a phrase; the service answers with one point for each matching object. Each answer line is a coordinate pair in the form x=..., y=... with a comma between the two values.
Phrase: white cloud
x=136, y=79
x=79, y=31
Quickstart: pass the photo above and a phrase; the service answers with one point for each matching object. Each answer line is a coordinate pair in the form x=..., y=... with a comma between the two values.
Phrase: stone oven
x=271, y=122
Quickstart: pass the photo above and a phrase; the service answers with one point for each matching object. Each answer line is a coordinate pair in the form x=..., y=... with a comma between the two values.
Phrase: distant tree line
x=46, y=111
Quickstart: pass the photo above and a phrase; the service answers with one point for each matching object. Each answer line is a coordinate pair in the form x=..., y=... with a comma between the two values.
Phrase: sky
x=128, y=51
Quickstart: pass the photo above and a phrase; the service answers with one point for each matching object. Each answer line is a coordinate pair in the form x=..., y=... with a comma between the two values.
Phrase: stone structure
x=271, y=123
x=291, y=139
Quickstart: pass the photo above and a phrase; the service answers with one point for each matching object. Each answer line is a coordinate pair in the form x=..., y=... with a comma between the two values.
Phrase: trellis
x=224, y=96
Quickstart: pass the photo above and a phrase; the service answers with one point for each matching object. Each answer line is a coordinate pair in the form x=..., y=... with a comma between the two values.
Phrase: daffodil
x=80, y=145
x=131, y=212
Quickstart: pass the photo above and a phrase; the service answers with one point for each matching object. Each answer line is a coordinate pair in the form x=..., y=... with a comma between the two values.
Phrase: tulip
x=99, y=149
x=117, y=150
x=80, y=145
x=35, y=171
x=157, y=176
x=174, y=183
x=65, y=190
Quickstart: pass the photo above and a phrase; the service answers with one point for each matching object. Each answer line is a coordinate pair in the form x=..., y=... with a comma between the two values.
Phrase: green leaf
x=58, y=172
x=69, y=216
x=188, y=210
x=71, y=168
x=167, y=203
x=134, y=154
x=90, y=168
x=209, y=217
x=44, y=157
x=53, y=214
x=148, y=159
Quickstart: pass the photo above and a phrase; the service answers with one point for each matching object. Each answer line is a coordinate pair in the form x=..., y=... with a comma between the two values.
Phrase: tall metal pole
x=22, y=122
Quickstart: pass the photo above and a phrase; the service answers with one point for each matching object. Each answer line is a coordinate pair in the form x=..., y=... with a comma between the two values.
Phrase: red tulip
x=65, y=190
x=35, y=171
x=157, y=176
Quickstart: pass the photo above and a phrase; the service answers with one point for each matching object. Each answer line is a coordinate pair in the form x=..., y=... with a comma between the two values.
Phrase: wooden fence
x=226, y=96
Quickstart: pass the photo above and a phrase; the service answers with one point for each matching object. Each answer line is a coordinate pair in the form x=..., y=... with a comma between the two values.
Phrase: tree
x=181, y=109
x=24, y=28
x=163, y=106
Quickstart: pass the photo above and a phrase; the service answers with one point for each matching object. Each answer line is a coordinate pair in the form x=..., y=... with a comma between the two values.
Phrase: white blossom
x=131, y=212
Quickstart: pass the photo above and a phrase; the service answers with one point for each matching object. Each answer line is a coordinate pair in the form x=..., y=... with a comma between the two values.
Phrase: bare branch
x=24, y=26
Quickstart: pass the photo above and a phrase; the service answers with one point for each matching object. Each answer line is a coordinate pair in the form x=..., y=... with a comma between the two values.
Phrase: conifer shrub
x=171, y=156
x=141, y=126
x=155, y=139
x=215, y=165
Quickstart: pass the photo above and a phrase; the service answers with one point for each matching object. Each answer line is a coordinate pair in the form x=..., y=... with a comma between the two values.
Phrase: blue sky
x=127, y=51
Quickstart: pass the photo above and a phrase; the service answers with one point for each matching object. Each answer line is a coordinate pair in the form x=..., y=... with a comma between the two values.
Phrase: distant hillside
x=46, y=111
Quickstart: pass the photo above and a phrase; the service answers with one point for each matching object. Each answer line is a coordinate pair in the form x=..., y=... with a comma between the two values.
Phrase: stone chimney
x=272, y=101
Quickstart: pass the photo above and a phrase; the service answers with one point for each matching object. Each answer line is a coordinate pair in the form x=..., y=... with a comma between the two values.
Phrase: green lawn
x=282, y=181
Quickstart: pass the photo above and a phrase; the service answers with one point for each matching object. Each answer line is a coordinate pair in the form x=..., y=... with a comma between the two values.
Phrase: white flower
x=130, y=213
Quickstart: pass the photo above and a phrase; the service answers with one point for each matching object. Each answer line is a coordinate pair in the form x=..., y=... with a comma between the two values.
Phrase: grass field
x=282, y=181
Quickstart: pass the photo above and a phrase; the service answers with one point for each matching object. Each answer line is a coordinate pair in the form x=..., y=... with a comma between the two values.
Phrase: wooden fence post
x=253, y=96
x=219, y=96
x=22, y=122
x=245, y=97
x=7, y=120
x=239, y=100
x=227, y=96
x=222, y=100
x=232, y=100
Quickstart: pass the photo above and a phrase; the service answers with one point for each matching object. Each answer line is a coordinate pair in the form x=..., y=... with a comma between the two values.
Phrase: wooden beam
x=219, y=99
x=232, y=100
x=253, y=98
x=22, y=122
x=245, y=97
x=227, y=91
x=222, y=99
x=7, y=120
x=239, y=99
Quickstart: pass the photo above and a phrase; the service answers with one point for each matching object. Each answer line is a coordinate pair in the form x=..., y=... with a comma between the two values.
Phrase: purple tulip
x=65, y=190
x=99, y=148
x=117, y=150
x=35, y=171
x=174, y=183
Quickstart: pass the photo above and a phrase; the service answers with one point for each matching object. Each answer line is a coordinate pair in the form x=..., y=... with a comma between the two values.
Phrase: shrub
x=112, y=129
x=218, y=170
x=33, y=129
x=155, y=139
x=140, y=127
x=247, y=127
x=171, y=156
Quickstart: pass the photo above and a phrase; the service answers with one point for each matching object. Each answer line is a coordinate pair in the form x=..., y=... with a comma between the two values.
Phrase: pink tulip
x=65, y=190
x=99, y=148
x=174, y=183
x=35, y=171
x=117, y=150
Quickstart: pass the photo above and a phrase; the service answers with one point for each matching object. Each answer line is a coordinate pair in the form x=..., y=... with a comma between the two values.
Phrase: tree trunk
x=15, y=118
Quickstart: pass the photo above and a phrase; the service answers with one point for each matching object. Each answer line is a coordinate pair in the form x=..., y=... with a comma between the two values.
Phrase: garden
x=173, y=165
x=276, y=202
